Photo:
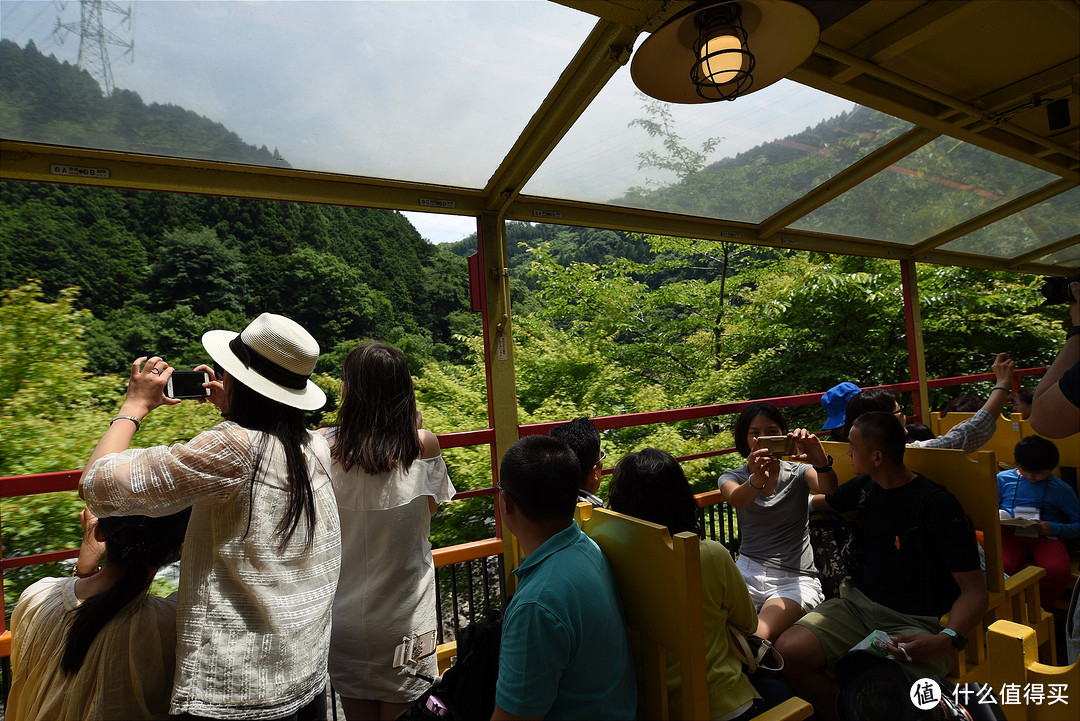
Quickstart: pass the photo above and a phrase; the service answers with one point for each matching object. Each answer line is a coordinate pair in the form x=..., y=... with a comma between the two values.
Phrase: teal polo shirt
x=564, y=652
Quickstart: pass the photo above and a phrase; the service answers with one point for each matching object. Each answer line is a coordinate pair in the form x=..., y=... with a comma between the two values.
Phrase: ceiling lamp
x=722, y=50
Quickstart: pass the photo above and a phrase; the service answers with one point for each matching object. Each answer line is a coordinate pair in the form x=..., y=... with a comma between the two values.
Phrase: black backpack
x=467, y=689
x=839, y=552
x=875, y=688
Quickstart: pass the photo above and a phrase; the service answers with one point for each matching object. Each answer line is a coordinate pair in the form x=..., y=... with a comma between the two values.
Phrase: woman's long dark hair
x=377, y=420
x=139, y=544
x=257, y=412
x=651, y=485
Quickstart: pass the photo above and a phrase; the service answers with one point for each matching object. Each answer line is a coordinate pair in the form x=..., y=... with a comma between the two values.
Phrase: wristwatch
x=958, y=641
x=827, y=467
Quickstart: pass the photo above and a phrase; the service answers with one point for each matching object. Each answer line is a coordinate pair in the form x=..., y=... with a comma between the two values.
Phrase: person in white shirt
x=389, y=478
x=263, y=547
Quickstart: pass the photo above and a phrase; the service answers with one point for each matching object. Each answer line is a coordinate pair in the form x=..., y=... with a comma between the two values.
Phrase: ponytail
x=138, y=544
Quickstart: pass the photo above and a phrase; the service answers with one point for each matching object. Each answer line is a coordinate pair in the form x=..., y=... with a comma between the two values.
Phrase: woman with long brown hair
x=389, y=478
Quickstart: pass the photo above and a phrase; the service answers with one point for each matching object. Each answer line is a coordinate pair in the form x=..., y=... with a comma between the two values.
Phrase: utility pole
x=94, y=37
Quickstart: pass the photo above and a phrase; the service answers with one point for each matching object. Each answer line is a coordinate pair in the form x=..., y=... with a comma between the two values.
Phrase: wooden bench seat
x=659, y=578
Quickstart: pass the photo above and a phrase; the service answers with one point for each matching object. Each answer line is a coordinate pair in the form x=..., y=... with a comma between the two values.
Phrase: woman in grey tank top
x=770, y=495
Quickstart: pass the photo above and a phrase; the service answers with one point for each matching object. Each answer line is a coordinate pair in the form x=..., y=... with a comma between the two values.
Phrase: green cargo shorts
x=840, y=623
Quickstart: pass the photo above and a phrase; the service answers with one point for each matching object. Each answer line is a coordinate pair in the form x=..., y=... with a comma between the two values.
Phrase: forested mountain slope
x=157, y=269
x=45, y=100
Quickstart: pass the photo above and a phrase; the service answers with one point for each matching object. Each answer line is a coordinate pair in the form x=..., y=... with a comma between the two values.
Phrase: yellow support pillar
x=499, y=356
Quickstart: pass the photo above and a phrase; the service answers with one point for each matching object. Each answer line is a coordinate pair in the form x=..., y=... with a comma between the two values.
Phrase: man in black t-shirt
x=921, y=562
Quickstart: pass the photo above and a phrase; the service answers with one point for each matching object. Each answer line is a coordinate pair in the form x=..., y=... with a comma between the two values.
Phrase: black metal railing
x=720, y=524
x=464, y=591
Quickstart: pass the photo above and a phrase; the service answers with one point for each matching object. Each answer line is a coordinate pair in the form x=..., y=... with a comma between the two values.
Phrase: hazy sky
x=427, y=91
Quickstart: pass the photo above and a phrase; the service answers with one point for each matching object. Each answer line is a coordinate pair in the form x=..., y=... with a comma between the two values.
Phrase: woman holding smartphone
x=770, y=495
x=389, y=478
x=263, y=547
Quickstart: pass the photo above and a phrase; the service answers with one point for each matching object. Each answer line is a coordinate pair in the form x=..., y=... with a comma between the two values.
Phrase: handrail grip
x=472, y=551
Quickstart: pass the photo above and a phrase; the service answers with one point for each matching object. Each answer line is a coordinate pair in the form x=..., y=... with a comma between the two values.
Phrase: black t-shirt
x=910, y=559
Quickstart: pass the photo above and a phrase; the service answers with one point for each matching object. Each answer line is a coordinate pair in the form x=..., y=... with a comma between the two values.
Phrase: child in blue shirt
x=1031, y=491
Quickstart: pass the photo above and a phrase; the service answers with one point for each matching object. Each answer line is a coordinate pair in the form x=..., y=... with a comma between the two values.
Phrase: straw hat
x=273, y=356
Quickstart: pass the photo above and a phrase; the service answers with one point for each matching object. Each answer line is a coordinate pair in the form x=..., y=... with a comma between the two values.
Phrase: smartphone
x=414, y=649
x=779, y=446
x=187, y=384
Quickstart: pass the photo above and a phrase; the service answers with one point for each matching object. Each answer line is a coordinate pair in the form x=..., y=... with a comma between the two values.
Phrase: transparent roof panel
x=735, y=161
x=941, y=184
x=1068, y=256
x=1038, y=226
x=425, y=91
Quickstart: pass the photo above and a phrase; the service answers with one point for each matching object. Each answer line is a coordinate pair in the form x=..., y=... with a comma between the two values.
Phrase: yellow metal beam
x=77, y=166
x=34, y=162
x=892, y=93
x=594, y=215
x=908, y=31
x=1048, y=81
x=1071, y=241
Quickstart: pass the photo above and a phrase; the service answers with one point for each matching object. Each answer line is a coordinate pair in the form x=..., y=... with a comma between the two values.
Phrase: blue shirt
x=1056, y=501
x=564, y=652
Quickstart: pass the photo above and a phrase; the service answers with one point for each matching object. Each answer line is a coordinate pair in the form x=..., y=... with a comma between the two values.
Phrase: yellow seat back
x=1006, y=434
x=659, y=579
x=1014, y=668
x=973, y=481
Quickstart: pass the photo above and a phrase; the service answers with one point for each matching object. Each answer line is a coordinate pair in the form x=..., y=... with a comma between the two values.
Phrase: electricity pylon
x=94, y=37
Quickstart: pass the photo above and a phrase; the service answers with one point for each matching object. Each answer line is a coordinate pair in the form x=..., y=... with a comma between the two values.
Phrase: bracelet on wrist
x=1001, y=388
x=122, y=417
x=75, y=572
x=1075, y=330
x=827, y=467
x=750, y=482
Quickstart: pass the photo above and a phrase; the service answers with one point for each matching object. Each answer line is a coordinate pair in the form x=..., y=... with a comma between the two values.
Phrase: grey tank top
x=774, y=530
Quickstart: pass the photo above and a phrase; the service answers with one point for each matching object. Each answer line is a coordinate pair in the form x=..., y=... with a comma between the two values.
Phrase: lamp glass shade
x=721, y=59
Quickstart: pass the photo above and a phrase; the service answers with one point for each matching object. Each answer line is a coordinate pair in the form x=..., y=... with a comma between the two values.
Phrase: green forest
x=605, y=322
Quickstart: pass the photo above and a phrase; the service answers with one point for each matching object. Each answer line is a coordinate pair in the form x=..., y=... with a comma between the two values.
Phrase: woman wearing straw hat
x=263, y=548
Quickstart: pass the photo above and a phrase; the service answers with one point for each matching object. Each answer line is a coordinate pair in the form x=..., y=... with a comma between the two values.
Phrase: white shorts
x=765, y=583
